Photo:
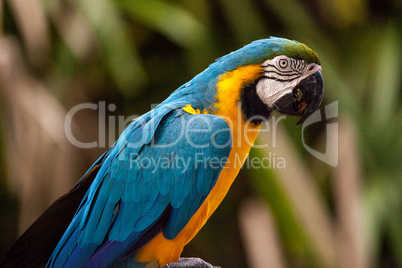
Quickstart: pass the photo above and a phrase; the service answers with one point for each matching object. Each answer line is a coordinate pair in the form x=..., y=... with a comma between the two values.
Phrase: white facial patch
x=270, y=91
x=282, y=75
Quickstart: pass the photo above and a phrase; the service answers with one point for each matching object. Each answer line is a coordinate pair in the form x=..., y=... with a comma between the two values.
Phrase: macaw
x=147, y=196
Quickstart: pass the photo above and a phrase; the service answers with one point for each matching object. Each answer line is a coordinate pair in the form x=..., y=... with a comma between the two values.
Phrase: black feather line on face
x=252, y=107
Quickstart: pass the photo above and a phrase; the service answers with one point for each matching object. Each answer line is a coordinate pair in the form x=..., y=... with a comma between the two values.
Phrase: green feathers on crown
x=264, y=49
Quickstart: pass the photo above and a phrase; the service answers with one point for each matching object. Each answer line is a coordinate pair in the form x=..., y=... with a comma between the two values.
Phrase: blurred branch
x=38, y=153
x=31, y=19
x=74, y=29
x=347, y=185
x=260, y=235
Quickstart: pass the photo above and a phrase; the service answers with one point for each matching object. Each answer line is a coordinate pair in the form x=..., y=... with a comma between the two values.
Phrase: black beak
x=305, y=98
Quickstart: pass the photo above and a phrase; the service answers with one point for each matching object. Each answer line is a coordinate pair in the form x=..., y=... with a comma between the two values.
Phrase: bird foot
x=190, y=263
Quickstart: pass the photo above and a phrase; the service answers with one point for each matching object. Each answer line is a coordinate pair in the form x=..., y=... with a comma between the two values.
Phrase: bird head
x=291, y=86
x=289, y=78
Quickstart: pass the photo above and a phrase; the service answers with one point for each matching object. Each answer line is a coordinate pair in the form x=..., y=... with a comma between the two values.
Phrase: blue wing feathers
x=165, y=182
x=202, y=182
x=63, y=255
x=188, y=182
x=151, y=215
x=180, y=216
x=130, y=195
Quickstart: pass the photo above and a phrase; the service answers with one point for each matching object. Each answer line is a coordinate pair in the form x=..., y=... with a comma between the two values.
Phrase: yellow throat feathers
x=229, y=90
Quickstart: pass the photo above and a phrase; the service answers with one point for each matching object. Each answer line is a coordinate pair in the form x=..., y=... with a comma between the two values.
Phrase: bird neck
x=230, y=88
x=237, y=101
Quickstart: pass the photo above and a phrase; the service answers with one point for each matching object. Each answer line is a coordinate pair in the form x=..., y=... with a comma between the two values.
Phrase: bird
x=151, y=192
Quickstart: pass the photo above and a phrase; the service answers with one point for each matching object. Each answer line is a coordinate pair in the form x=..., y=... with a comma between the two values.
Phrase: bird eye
x=283, y=63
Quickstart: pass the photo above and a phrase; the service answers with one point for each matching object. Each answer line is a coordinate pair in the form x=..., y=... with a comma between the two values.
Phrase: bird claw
x=190, y=263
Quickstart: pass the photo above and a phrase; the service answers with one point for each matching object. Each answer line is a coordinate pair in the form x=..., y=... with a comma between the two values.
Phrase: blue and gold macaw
x=145, y=198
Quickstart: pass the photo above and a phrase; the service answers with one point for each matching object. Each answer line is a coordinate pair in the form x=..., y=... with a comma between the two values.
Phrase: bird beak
x=304, y=99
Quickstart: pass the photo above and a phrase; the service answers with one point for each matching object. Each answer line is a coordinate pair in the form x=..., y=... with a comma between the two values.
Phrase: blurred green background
x=55, y=55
